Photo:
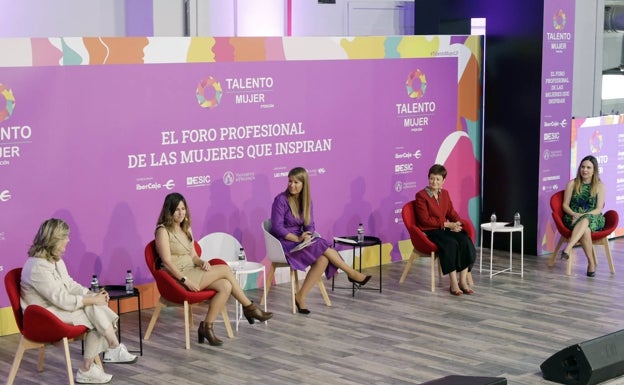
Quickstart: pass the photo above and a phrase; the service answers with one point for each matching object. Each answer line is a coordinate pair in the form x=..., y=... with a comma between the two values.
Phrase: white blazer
x=49, y=285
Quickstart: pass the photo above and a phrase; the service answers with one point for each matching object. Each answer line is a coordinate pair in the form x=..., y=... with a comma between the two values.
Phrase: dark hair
x=169, y=207
x=437, y=169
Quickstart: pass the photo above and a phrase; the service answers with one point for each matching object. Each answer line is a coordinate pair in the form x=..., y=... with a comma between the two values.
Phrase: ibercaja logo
x=7, y=102
x=209, y=93
x=416, y=84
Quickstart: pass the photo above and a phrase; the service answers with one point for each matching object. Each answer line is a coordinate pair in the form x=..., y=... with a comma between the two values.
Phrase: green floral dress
x=582, y=203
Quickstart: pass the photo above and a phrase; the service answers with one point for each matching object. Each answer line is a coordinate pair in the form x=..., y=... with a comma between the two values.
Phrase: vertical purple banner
x=556, y=112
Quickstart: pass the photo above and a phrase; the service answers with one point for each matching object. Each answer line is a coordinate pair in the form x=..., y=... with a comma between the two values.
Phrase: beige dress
x=181, y=248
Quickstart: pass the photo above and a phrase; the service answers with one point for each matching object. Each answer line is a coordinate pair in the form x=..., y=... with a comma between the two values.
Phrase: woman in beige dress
x=46, y=282
x=175, y=247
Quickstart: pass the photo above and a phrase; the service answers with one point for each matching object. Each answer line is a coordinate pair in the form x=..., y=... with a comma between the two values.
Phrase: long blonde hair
x=595, y=181
x=302, y=206
x=50, y=233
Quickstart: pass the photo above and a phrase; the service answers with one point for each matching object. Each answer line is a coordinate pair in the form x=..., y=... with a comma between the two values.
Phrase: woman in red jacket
x=437, y=218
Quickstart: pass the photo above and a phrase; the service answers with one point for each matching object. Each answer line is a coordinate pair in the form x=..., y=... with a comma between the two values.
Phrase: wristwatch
x=183, y=279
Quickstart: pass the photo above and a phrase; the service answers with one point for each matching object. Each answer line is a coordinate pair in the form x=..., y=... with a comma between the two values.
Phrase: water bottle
x=516, y=219
x=493, y=219
x=360, y=233
x=129, y=282
x=95, y=284
x=241, y=257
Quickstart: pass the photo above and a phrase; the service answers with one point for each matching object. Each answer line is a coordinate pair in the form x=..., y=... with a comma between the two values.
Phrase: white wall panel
x=46, y=18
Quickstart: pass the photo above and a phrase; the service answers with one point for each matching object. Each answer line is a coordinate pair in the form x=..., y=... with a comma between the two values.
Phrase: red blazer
x=430, y=214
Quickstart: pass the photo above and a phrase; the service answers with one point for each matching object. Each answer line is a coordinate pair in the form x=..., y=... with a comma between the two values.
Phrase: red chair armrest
x=561, y=228
x=420, y=241
x=173, y=291
x=611, y=220
x=469, y=229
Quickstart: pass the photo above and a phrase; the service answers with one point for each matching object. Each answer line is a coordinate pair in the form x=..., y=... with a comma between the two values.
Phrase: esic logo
x=416, y=84
x=201, y=180
x=5, y=196
x=404, y=168
x=209, y=93
x=9, y=104
x=551, y=136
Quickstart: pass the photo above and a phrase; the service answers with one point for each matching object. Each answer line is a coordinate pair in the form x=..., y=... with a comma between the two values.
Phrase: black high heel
x=300, y=309
x=565, y=255
x=253, y=313
x=362, y=282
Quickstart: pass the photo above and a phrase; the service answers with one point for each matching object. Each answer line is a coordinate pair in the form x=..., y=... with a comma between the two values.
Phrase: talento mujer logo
x=416, y=84
x=9, y=102
x=209, y=93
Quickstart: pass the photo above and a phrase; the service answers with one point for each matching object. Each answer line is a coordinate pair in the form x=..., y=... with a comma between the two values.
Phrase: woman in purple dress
x=292, y=222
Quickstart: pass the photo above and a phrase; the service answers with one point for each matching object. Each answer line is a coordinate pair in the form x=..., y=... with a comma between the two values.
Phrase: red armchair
x=598, y=237
x=39, y=328
x=172, y=293
x=423, y=246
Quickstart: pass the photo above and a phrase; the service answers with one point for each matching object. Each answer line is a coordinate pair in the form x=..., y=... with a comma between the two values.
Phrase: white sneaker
x=119, y=355
x=95, y=375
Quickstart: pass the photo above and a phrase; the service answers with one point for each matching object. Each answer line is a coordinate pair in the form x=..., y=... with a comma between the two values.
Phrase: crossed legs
x=581, y=233
x=221, y=279
x=316, y=272
x=108, y=335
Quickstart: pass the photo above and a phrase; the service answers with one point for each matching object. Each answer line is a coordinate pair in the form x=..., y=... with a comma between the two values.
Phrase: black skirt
x=456, y=250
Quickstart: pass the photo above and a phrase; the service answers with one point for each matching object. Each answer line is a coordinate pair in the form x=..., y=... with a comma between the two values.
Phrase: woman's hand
x=455, y=226
x=205, y=265
x=101, y=298
x=190, y=286
x=305, y=236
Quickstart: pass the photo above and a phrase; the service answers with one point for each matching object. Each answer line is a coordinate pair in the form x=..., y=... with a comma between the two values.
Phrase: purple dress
x=284, y=222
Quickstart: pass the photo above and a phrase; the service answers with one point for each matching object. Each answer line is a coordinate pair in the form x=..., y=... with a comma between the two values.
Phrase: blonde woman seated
x=292, y=223
x=583, y=200
x=46, y=282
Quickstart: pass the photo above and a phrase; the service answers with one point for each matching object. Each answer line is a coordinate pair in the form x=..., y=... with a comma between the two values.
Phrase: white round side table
x=500, y=227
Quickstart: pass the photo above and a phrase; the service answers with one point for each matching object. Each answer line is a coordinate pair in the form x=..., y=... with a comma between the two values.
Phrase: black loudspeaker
x=467, y=380
x=587, y=363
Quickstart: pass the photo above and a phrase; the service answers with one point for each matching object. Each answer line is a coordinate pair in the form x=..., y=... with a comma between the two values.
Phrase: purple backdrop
x=603, y=137
x=100, y=146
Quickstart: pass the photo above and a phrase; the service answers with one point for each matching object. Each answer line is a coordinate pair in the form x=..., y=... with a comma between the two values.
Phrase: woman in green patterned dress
x=583, y=200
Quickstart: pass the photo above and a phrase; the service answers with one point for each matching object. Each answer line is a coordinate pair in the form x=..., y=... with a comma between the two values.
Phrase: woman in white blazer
x=46, y=282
